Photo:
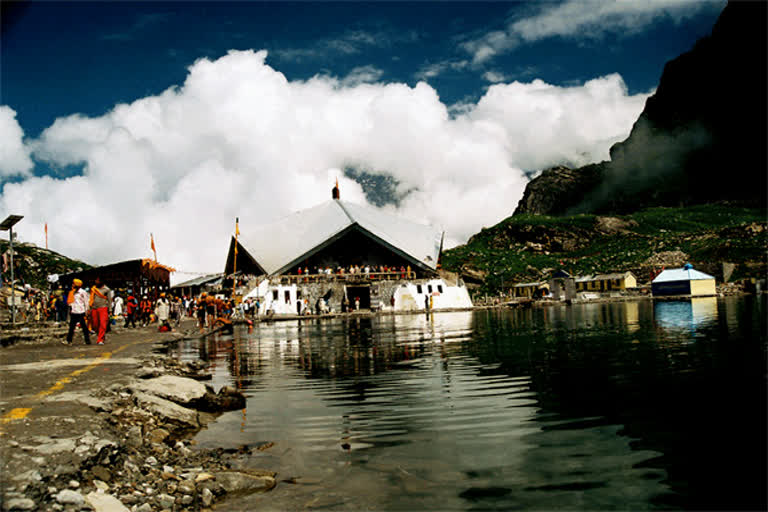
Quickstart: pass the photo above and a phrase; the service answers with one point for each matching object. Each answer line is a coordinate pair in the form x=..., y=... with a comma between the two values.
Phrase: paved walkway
x=31, y=374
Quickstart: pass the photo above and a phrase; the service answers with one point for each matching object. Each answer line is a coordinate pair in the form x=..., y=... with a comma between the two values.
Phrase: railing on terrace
x=345, y=277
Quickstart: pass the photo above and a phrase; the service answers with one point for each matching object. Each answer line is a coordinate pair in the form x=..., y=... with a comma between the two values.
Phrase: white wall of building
x=411, y=296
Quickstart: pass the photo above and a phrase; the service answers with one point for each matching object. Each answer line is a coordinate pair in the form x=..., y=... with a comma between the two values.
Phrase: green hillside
x=530, y=247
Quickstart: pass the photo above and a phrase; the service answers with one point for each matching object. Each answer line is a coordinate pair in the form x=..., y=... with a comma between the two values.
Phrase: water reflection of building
x=367, y=346
x=689, y=314
x=586, y=315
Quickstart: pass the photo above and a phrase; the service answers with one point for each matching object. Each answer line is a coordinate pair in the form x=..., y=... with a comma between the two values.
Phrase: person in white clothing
x=117, y=306
x=78, y=300
x=163, y=312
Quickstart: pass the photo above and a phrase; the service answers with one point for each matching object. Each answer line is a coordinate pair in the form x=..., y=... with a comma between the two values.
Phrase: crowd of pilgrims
x=403, y=271
x=130, y=309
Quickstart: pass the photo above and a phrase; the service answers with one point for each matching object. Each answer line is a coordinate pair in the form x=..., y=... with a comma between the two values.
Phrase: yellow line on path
x=14, y=414
x=21, y=412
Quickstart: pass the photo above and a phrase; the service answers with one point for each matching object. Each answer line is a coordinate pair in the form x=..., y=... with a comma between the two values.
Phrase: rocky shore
x=133, y=450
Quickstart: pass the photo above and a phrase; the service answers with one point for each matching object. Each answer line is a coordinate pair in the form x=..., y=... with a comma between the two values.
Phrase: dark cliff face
x=700, y=138
x=557, y=190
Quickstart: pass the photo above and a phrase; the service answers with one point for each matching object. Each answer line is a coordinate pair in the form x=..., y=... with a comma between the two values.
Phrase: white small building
x=683, y=281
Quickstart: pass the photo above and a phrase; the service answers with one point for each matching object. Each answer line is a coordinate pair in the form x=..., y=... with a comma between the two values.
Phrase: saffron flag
x=152, y=245
x=237, y=226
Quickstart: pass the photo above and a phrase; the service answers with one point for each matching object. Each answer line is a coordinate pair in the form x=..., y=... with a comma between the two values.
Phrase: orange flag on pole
x=152, y=245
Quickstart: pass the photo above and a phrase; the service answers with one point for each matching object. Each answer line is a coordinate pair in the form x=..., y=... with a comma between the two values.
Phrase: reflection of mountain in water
x=686, y=315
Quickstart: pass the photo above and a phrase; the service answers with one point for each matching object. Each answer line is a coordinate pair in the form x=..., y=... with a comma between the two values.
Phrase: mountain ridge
x=700, y=138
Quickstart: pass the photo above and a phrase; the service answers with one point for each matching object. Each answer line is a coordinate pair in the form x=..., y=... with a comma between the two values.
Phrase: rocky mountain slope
x=701, y=137
x=33, y=264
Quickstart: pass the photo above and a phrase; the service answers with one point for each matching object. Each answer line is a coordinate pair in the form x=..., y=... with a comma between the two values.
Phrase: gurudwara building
x=340, y=256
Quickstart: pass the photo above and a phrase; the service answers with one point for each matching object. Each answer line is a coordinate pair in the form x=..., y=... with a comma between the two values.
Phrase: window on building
x=440, y=288
x=287, y=296
x=429, y=288
x=419, y=289
x=274, y=294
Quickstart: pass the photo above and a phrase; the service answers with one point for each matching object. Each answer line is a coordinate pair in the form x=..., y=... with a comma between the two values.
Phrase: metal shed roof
x=681, y=274
x=198, y=281
x=278, y=246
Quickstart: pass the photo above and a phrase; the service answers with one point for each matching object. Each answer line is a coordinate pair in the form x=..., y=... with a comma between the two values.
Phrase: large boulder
x=245, y=482
x=169, y=411
x=177, y=389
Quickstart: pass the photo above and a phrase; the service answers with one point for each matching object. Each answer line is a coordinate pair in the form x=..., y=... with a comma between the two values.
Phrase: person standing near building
x=61, y=306
x=78, y=307
x=145, y=309
x=163, y=312
x=99, y=302
x=117, y=307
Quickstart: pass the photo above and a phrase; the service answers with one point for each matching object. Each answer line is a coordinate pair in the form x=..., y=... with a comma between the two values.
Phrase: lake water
x=633, y=405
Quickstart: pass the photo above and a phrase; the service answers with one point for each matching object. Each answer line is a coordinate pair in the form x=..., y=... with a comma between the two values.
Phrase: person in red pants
x=101, y=298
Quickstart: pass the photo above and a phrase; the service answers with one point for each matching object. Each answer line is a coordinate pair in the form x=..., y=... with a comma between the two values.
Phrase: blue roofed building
x=683, y=281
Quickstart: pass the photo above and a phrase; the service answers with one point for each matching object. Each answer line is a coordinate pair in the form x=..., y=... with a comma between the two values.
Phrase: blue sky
x=146, y=111
x=60, y=58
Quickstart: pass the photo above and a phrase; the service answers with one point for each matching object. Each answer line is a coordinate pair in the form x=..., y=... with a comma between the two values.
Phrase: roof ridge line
x=349, y=215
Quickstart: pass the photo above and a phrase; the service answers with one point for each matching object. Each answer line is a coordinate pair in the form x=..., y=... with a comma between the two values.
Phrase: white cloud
x=437, y=68
x=14, y=154
x=350, y=42
x=362, y=75
x=584, y=19
x=238, y=139
x=494, y=76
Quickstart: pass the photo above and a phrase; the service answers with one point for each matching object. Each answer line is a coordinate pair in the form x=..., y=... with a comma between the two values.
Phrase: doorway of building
x=363, y=293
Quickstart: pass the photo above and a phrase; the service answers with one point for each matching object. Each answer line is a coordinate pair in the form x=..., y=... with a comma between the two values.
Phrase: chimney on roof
x=335, y=190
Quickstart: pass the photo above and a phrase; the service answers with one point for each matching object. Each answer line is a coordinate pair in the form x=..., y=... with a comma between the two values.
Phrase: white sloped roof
x=278, y=245
x=681, y=274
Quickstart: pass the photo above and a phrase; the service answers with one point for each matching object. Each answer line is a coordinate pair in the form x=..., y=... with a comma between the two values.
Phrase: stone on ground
x=101, y=502
x=167, y=410
x=243, y=482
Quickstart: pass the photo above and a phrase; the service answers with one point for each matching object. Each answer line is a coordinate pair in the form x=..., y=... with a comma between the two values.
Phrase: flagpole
x=234, y=260
x=46, y=236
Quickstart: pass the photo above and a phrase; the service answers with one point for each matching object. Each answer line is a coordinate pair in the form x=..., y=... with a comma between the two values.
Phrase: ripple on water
x=576, y=408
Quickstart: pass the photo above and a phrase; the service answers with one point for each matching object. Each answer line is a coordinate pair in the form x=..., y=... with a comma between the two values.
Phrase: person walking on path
x=78, y=307
x=177, y=309
x=131, y=305
x=99, y=301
